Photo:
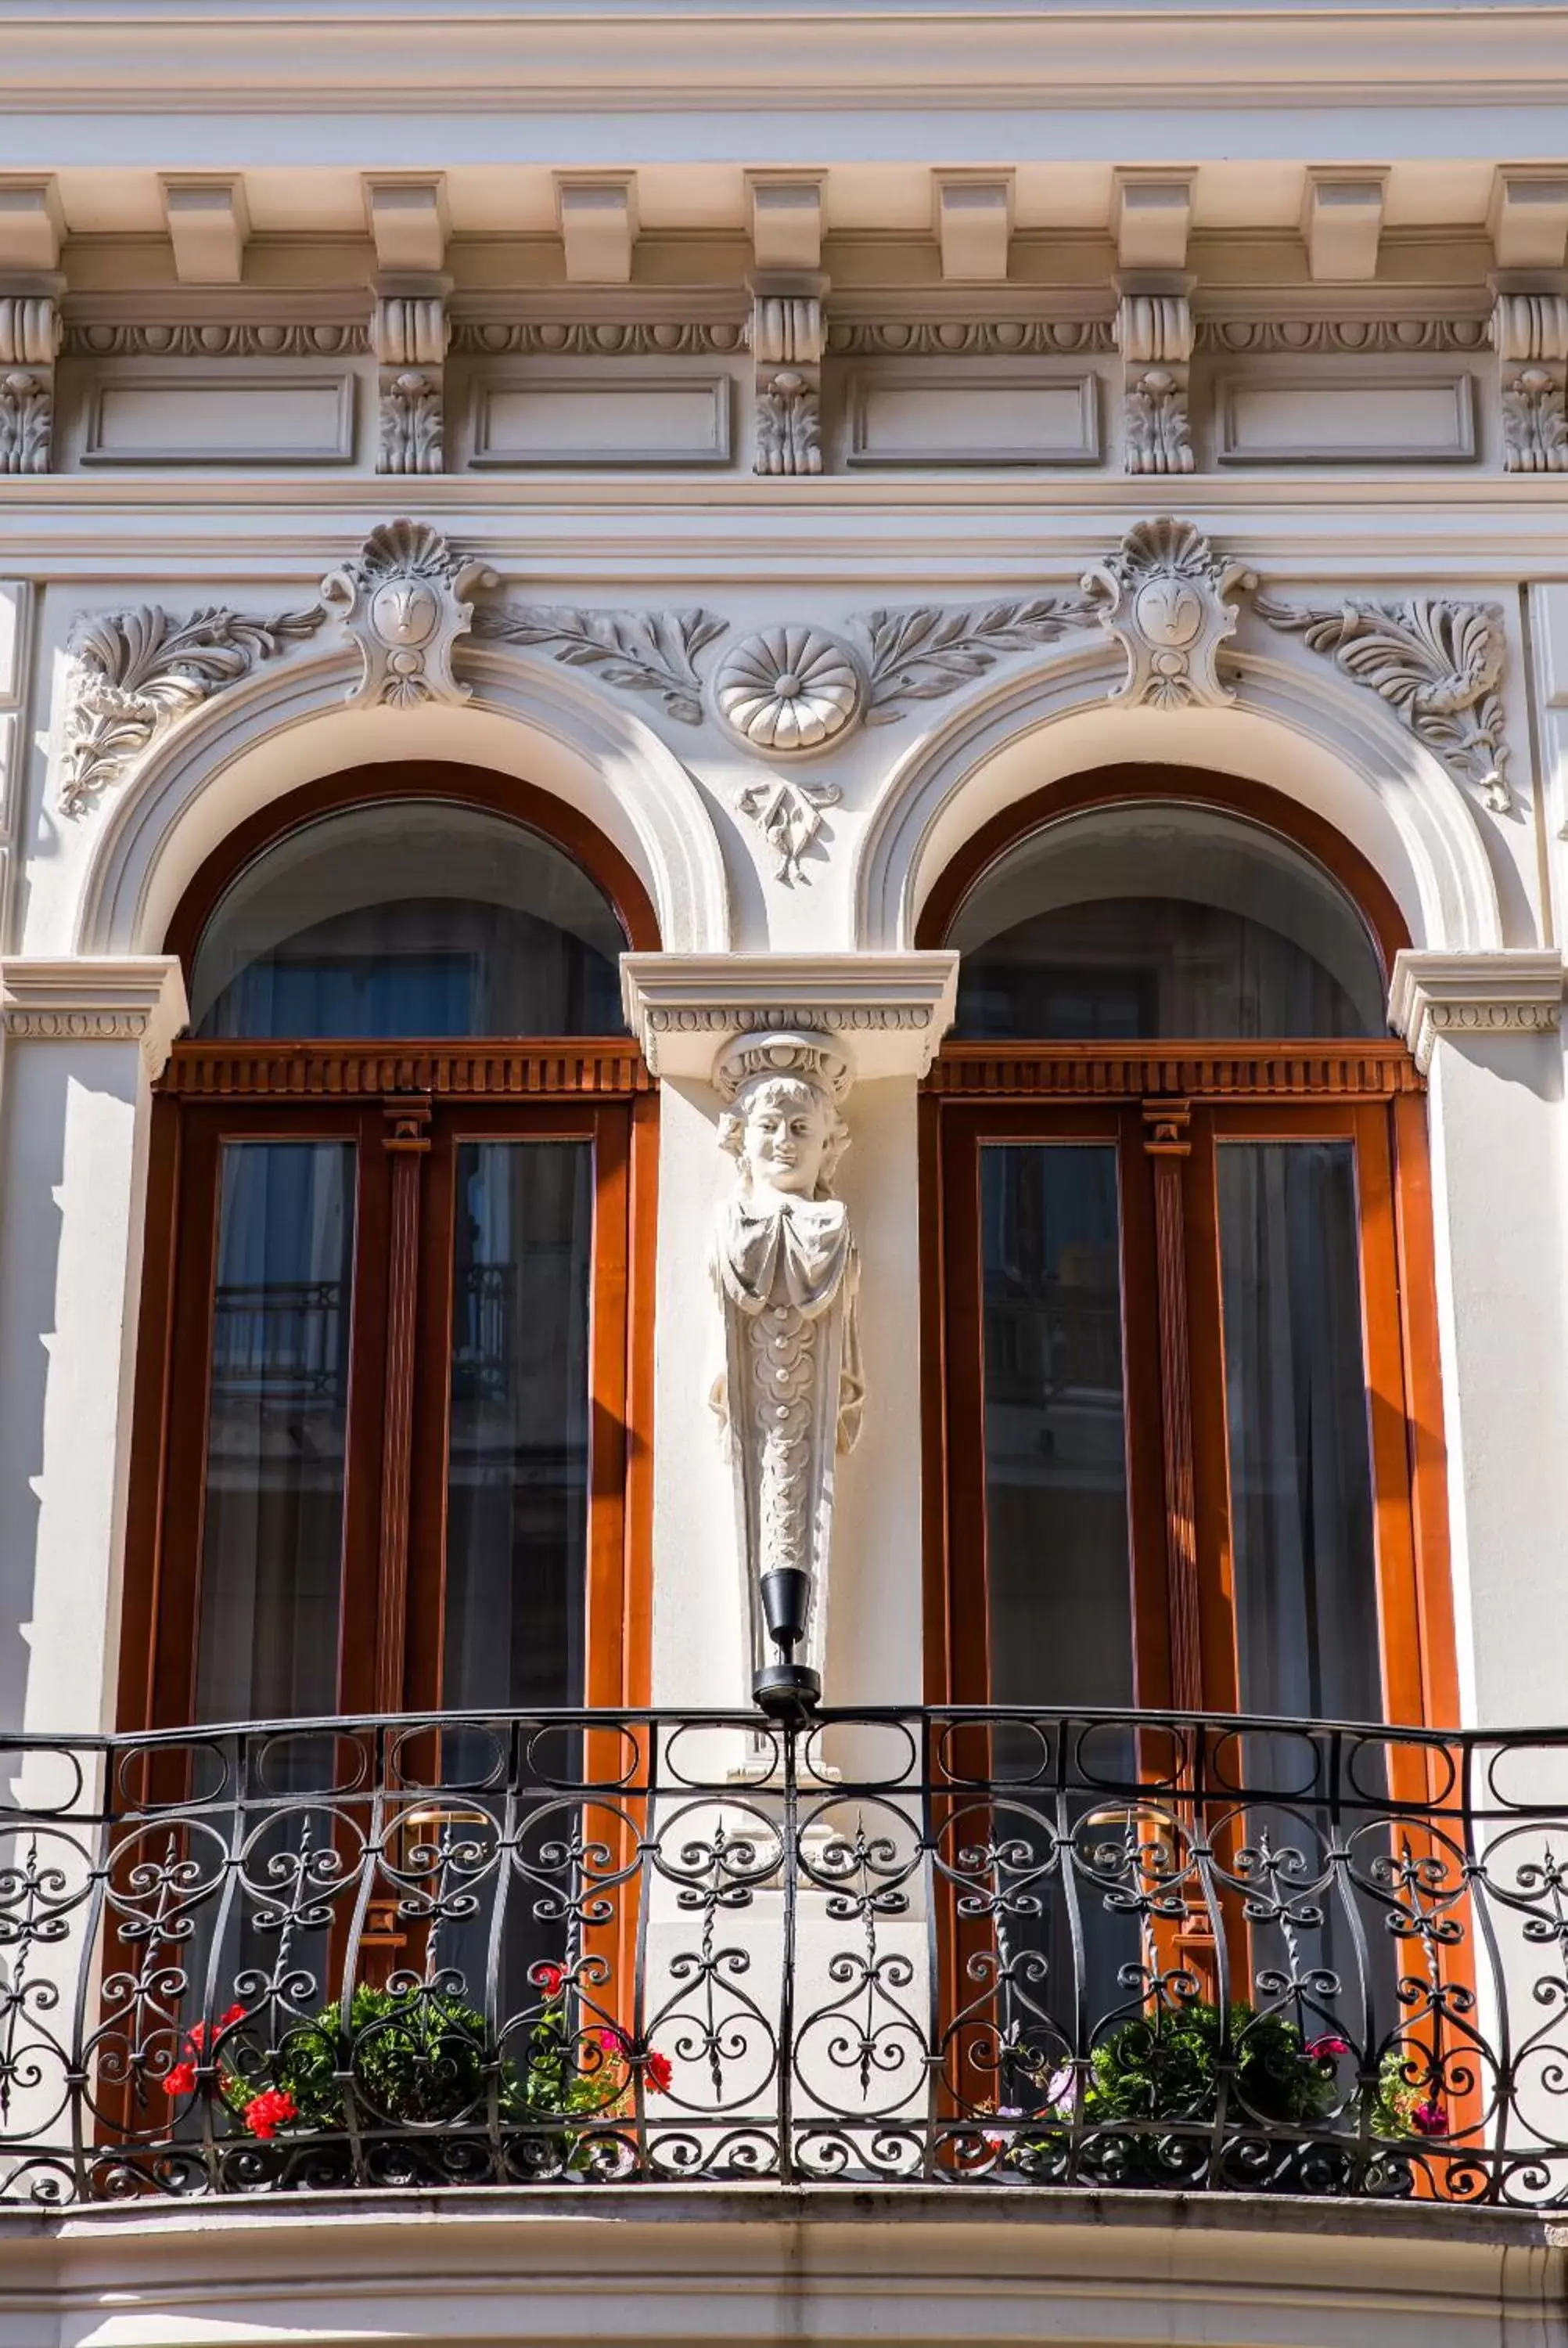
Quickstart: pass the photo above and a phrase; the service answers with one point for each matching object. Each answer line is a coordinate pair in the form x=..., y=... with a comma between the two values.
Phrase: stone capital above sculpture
x=889, y=1011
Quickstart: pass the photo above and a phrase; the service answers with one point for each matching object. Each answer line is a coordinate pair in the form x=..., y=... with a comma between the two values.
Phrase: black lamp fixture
x=786, y=1690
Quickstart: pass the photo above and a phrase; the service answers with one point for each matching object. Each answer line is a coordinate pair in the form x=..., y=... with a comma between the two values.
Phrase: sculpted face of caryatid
x=788, y=1132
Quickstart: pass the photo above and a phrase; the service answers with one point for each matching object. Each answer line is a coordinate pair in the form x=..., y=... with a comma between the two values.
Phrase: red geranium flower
x=180, y=2080
x=1429, y=2119
x=265, y=2114
x=1323, y=2050
x=657, y=2071
x=550, y=1979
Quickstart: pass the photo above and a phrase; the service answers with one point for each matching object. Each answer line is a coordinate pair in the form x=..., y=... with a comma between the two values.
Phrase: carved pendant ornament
x=1163, y=595
x=789, y=1394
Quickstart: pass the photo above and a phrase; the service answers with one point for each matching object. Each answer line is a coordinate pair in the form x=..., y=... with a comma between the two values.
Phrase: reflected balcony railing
x=946, y=1947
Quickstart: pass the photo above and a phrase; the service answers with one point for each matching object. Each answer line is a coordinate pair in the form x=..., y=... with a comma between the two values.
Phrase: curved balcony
x=939, y=1948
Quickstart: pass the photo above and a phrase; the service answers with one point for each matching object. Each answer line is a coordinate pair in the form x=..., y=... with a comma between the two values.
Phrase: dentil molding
x=887, y=1012
x=1515, y=991
x=130, y=999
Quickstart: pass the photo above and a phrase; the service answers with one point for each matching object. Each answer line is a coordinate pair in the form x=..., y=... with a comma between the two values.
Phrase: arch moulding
x=290, y=726
x=1298, y=733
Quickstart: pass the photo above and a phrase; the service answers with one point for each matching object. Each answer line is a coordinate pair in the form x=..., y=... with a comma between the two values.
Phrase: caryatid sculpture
x=789, y=1394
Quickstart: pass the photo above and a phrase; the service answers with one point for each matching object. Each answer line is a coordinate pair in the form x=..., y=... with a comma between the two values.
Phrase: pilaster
x=82, y=1043
x=1484, y=1027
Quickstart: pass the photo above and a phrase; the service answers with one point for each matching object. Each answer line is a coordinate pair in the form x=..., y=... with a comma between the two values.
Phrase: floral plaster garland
x=791, y=690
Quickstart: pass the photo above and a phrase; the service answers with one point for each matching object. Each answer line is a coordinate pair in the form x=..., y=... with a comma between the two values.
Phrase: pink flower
x=1058, y=2091
x=180, y=2080
x=1430, y=2118
x=612, y=2041
x=1324, y=2050
x=267, y=2113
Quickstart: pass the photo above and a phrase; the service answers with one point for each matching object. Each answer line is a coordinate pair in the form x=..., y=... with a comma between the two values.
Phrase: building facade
x=783, y=1315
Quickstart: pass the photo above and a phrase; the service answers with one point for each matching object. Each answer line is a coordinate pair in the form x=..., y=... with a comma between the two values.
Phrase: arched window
x=1190, y=1451
x=389, y=1373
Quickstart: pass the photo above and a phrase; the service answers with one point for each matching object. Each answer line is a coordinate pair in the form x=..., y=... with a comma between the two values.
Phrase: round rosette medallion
x=790, y=689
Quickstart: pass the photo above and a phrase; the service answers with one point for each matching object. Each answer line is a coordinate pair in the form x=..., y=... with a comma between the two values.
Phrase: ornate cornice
x=134, y=999
x=219, y=1070
x=598, y=338
x=889, y=1011
x=1127, y=1071
x=199, y=339
x=1339, y=338
x=1515, y=991
x=946, y=338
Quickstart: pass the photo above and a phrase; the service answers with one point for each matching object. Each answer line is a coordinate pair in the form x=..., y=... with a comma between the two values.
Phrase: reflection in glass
x=1057, y=1570
x=1305, y=1565
x=1158, y=919
x=410, y=918
x=1056, y=1471
x=516, y=1529
x=1296, y=1405
x=271, y=1544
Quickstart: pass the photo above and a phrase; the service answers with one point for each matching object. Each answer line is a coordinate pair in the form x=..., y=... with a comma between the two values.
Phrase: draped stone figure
x=786, y=1273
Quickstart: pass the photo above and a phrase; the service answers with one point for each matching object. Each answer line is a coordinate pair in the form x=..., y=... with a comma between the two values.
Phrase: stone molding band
x=896, y=1007
x=1517, y=991
x=131, y=999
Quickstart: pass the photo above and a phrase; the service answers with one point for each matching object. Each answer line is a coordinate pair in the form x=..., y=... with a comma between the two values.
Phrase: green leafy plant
x=1154, y=2083
x=418, y=2059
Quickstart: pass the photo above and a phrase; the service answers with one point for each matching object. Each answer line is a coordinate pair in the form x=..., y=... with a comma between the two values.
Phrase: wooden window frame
x=1192, y=1092
x=391, y=1097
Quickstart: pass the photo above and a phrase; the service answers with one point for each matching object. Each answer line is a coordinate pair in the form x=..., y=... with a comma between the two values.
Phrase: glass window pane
x=411, y=918
x=517, y=1527
x=271, y=1546
x=1158, y=919
x=1058, y=1572
x=1296, y=1405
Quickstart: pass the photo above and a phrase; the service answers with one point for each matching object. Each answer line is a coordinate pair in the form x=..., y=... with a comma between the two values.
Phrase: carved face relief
x=1170, y=610
x=785, y=1138
x=405, y=612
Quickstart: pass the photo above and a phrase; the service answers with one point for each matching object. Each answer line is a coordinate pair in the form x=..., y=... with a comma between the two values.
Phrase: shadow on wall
x=65, y=1170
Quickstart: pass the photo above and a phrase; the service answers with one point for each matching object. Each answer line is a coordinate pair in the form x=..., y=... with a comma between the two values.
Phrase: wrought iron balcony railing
x=936, y=1946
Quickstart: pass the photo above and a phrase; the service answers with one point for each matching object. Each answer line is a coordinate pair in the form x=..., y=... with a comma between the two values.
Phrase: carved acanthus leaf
x=1535, y=423
x=134, y=672
x=1439, y=664
x=921, y=653
x=26, y=420
x=1159, y=439
x=788, y=424
x=411, y=422
x=642, y=651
